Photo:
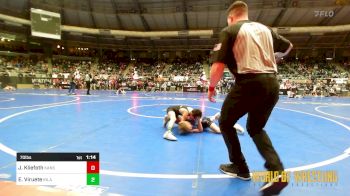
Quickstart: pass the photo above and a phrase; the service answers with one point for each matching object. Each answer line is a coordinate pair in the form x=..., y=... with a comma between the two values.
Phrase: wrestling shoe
x=169, y=136
x=232, y=170
x=215, y=117
x=274, y=187
x=239, y=129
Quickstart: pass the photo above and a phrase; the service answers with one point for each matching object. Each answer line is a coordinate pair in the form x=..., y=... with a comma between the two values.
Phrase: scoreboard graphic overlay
x=57, y=168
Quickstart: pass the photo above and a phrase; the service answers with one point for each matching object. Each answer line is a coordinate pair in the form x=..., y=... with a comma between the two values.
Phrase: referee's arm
x=281, y=45
x=216, y=72
x=220, y=57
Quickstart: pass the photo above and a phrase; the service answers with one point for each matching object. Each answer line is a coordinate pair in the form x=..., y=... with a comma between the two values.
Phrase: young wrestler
x=178, y=114
x=208, y=122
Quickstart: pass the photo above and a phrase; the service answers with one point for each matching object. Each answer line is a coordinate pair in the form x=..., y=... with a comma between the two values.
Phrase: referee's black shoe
x=274, y=187
x=232, y=170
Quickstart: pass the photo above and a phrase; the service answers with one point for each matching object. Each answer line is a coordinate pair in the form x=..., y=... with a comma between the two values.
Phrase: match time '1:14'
x=91, y=157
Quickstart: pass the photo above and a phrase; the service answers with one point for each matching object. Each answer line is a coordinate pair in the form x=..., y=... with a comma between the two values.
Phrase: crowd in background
x=318, y=78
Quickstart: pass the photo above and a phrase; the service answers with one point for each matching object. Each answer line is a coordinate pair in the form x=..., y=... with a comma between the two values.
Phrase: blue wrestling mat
x=311, y=134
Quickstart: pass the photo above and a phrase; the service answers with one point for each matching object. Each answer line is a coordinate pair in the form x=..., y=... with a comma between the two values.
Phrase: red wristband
x=211, y=88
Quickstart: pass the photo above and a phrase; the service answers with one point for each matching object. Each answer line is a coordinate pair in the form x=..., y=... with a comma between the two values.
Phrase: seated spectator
x=9, y=88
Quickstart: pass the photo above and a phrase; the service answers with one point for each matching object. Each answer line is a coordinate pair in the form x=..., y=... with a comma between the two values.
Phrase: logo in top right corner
x=324, y=13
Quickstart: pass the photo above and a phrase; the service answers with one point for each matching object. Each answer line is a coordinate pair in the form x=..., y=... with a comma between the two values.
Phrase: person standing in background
x=72, y=84
x=88, y=79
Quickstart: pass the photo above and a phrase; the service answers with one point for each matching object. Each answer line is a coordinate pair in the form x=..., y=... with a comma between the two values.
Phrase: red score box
x=93, y=167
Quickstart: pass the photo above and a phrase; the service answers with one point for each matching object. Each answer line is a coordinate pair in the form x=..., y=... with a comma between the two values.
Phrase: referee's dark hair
x=237, y=8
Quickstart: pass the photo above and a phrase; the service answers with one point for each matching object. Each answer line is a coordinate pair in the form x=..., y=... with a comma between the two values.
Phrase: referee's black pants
x=255, y=95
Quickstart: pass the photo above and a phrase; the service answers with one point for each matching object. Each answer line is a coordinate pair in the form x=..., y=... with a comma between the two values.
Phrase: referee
x=250, y=51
